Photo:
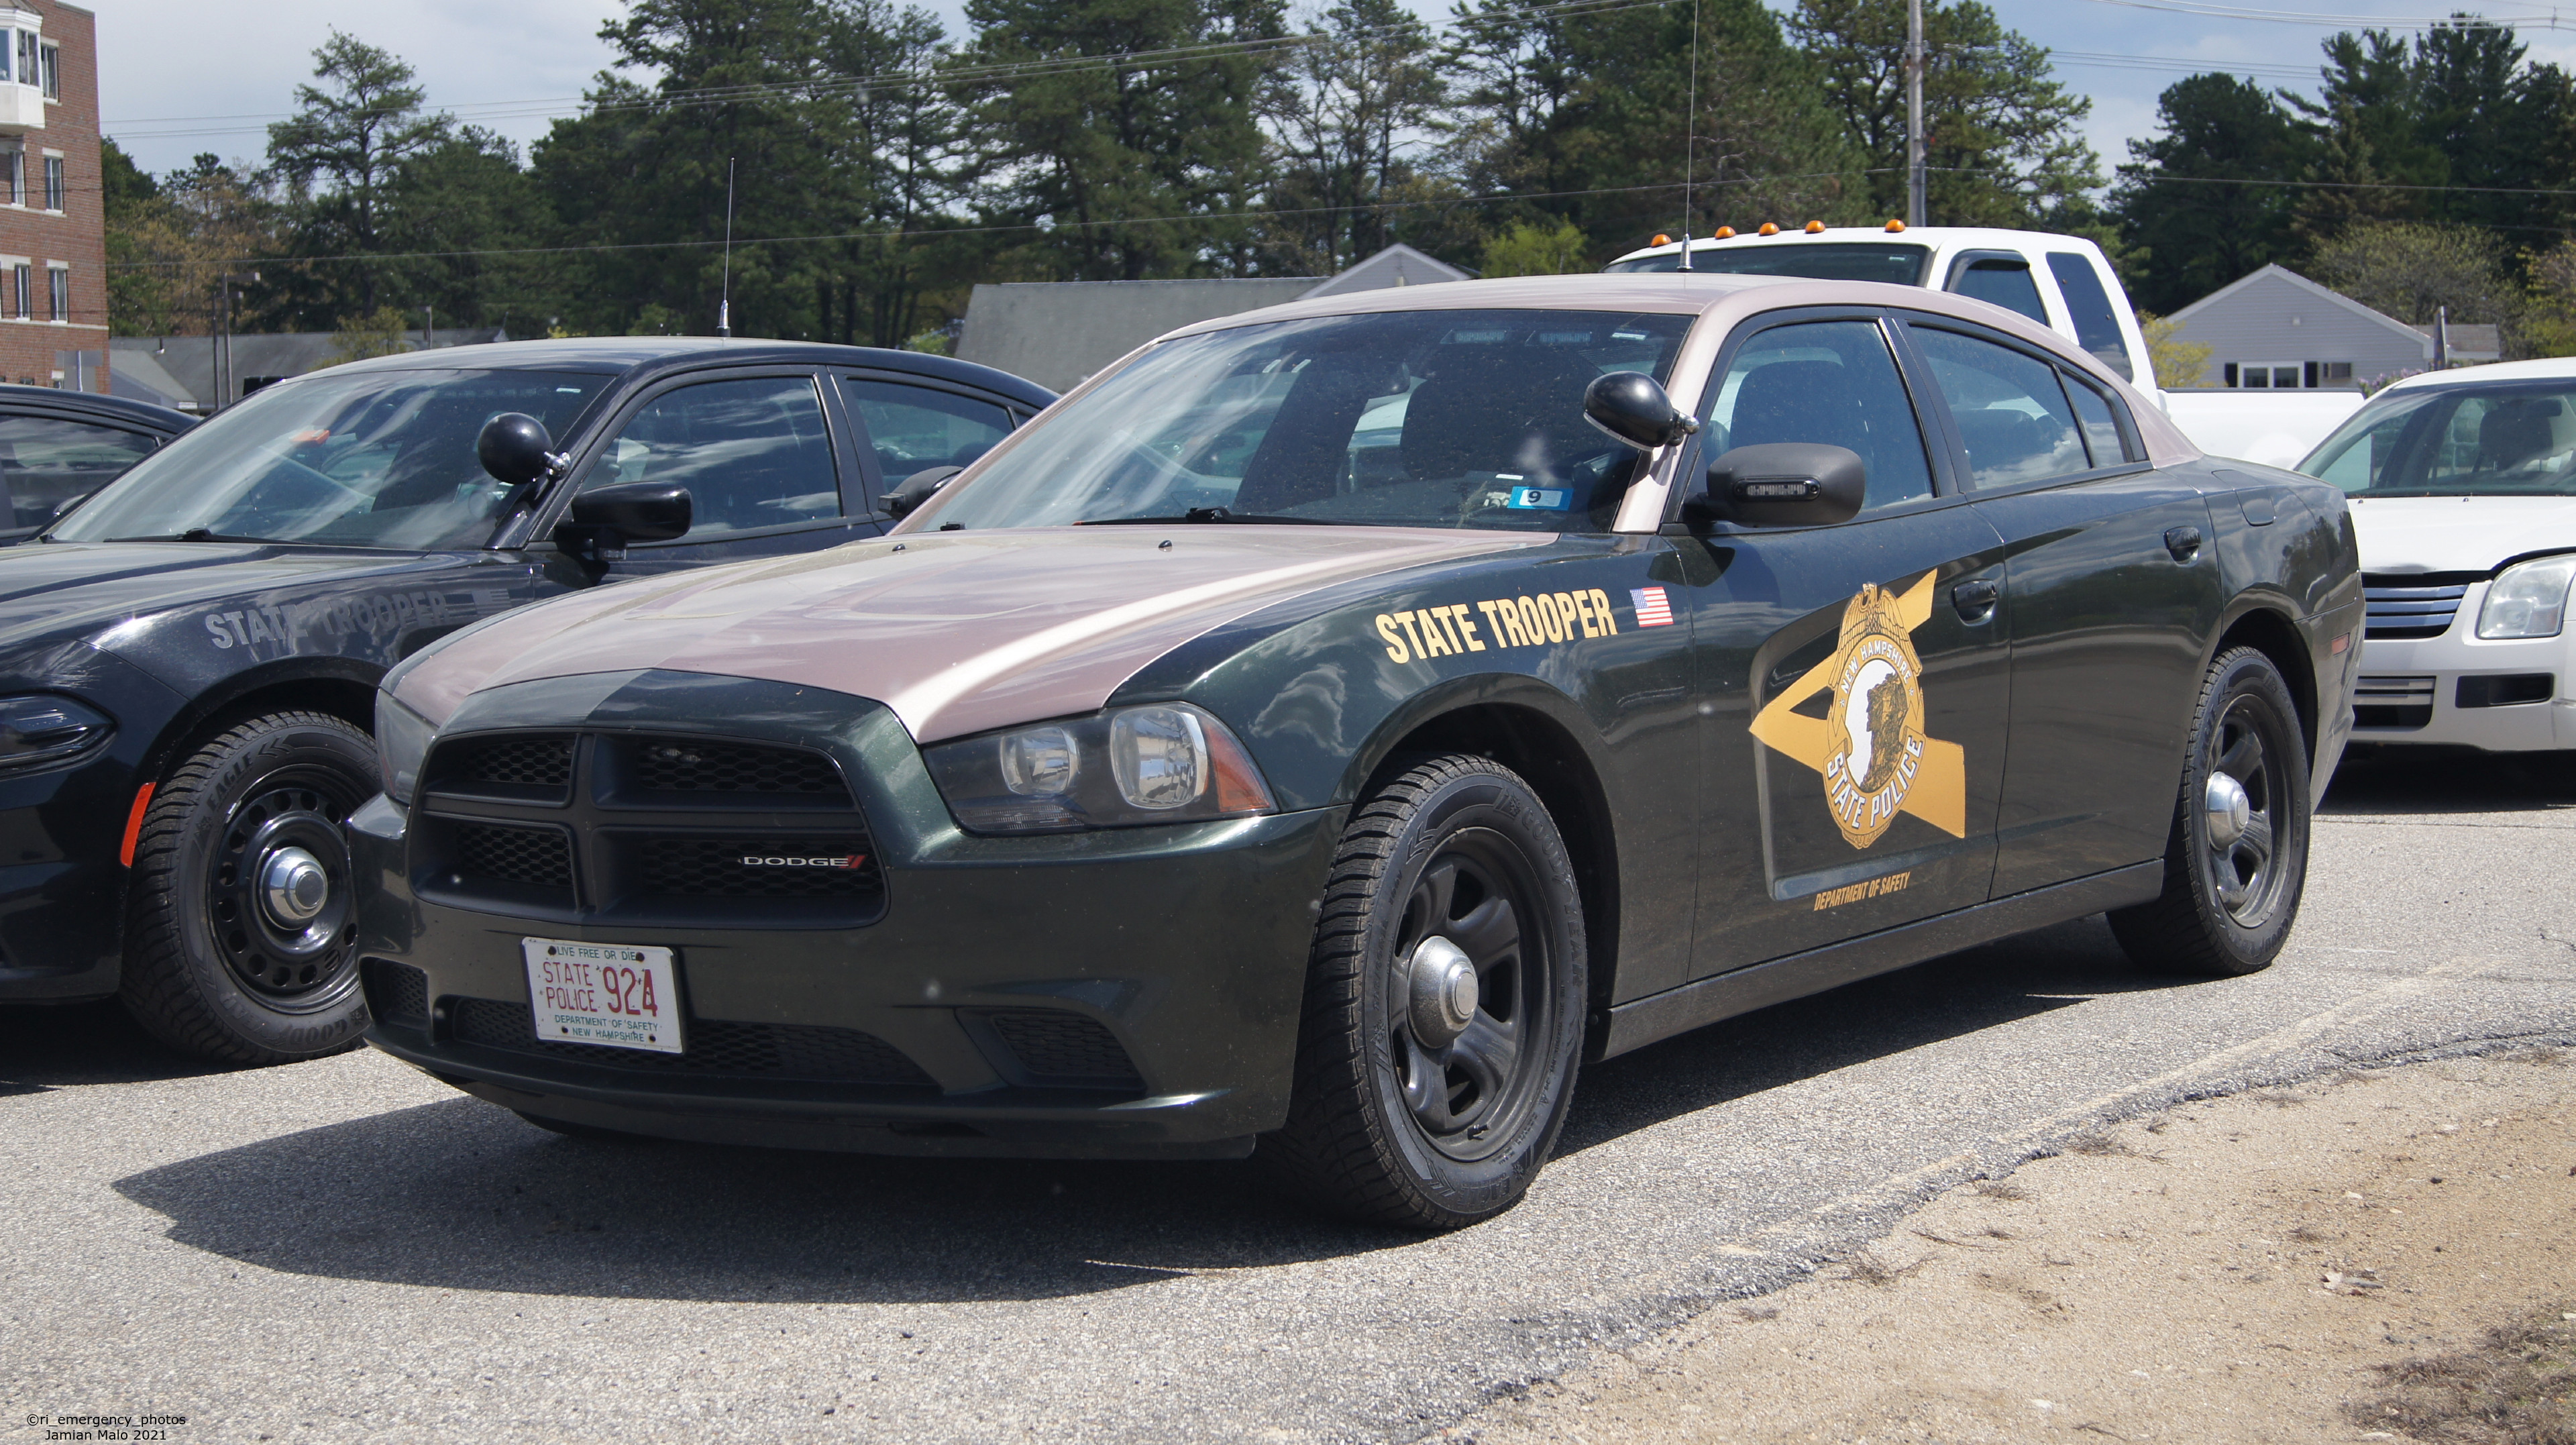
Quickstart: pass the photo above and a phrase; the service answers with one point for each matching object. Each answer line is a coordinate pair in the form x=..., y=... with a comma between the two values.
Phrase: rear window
x=1833, y=261
x=2097, y=327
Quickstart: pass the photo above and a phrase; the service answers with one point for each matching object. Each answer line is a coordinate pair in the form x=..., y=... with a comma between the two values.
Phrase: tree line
x=872, y=167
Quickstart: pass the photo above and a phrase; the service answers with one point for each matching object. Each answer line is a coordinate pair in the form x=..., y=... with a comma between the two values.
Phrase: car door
x=1852, y=677
x=2114, y=588
x=911, y=424
x=46, y=461
x=767, y=460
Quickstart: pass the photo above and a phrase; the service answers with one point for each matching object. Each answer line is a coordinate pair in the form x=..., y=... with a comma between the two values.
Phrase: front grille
x=716, y=1048
x=2392, y=702
x=530, y=857
x=2399, y=605
x=1053, y=1046
x=691, y=766
x=397, y=993
x=507, y=762
x=764, y=867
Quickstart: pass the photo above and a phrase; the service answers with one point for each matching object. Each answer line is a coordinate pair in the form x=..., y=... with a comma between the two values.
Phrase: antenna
x=724, y=303
x=1690, y=138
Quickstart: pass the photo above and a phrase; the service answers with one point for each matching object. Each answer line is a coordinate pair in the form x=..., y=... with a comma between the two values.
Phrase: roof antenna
x=1690, y=137
x=724, y=305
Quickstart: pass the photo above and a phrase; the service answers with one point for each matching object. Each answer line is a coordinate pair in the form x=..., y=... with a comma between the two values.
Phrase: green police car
x=1325, y=729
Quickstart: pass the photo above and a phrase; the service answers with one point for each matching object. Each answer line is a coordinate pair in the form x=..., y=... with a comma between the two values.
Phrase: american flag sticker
x=1652, y=609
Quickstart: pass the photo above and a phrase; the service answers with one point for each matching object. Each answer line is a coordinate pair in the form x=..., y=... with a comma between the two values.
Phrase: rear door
x=2113, y=591
x=1853, y=678
x=908, y=424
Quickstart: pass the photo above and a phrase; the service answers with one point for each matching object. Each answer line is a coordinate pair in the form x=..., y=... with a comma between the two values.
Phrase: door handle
x=1976, y=600
x=2182, y=542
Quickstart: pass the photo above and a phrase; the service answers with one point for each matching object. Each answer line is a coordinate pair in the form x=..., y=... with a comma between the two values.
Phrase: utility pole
x=1917, y=154
x=224, y=285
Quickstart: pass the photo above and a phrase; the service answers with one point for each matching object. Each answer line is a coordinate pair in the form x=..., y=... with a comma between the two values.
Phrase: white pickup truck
x=2061, y=282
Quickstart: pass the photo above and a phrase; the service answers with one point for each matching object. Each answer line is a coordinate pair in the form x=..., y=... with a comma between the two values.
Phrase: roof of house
x=2326, y=294
x=1397, y=265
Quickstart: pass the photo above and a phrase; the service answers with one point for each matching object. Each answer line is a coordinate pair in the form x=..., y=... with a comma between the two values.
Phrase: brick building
x=53, y=224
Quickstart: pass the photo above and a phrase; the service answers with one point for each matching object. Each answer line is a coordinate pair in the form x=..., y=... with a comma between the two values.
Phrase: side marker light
x=1723, y=233
x=134, y=825
x=1815, y=228
x=1895, y=225
x=1661, y=240
x=1768, y=229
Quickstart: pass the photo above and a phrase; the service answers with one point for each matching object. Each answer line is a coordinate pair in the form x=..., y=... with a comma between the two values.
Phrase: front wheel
x=241, y=936
x=1444, y=1003
x=2236, y=861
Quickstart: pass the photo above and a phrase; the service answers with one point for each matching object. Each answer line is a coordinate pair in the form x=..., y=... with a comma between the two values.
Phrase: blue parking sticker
x=1541, y=499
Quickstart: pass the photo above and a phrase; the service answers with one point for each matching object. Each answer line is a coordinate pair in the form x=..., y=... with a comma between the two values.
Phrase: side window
x=2101, y=424
x=914, y=428
x=2097, y=329
x=753, y=453
x=2004, y=281
x=2357, y=464
x=1831, y=382
x=2493, y=438
x=2010, y=410
x=46, y=462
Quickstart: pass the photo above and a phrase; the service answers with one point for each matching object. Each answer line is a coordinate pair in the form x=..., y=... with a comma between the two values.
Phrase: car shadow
x=461, y=1195
x=2405, y=782
x=52, y=1046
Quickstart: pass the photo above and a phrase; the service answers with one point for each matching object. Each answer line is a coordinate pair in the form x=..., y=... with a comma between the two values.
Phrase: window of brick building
x=53, y=183
x=53, y=72
x=22, y=291
x=13, y=172
x=59, y=282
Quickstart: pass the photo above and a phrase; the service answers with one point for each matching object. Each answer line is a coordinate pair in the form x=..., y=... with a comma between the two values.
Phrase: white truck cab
x=2064, y=283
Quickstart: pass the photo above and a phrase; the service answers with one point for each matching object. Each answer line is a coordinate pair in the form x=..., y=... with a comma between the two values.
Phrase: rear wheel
x=1444, y=1003
x=241, y=937
x=2236, y=861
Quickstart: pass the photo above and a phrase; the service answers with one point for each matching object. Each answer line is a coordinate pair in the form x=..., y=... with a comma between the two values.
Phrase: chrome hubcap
x=294, y=886
x=1443, y=992
x=2230, y=809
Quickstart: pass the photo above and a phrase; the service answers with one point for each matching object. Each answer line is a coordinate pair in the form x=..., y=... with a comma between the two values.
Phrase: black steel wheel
x=241, y=937
x=1444, y=1006
x=2236, y=860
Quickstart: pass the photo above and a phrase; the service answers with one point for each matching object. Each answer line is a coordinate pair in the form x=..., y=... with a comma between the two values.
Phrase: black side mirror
x=603, y=520
x=1783, y=484
x=918, y=488
x=1630, y=407
x=515, y=449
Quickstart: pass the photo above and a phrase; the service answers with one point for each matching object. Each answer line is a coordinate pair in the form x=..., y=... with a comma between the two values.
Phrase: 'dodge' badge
x=1869, y=747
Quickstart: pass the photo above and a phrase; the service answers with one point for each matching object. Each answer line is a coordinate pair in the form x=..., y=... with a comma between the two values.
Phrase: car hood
x=955, y=632
x=54, y=589
x=2458, y=534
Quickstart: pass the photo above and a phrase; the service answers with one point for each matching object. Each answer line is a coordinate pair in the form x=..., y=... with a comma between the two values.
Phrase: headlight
x=40, y=729
x=402, y=740
x=1162, y=763
x=2528, y=599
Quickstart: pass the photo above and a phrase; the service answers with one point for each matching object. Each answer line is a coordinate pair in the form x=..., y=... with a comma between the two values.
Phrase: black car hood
x=52, y=590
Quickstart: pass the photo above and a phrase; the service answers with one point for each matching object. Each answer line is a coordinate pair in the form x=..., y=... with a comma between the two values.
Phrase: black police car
x=188, y=659
x=57, y=447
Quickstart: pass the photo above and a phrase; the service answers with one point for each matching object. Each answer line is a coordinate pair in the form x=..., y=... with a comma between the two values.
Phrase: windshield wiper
x=196, y=534
x=1220, y=514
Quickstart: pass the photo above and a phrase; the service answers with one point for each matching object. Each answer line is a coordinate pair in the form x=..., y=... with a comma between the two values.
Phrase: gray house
x=1056, y=333
x=2276, y=328
x=180, y=371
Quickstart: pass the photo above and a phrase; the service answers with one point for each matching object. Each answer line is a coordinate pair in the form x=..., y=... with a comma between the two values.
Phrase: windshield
x=1835, y=261
x=362, y=459
x=2457, y=441
x=1394, y=419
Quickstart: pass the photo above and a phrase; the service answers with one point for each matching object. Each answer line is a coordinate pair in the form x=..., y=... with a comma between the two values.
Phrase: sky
x=180, y=77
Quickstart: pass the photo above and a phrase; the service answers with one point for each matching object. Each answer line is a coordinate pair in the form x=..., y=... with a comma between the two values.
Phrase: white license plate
x=614, y=994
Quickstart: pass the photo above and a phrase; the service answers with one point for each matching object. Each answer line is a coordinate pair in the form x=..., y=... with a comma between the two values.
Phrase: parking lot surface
x=347, y=1248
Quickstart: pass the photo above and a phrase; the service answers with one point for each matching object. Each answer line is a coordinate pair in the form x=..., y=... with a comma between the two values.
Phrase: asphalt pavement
x=347, y=1249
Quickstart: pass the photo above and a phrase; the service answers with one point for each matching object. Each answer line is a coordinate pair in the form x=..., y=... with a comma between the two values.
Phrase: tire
x=1387, y=1120
x=215, y=964
x=2229, y=901
x=591, y=1133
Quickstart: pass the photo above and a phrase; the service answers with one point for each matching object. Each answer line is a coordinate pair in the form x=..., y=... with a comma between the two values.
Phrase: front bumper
x=1180, y=950
x=2460, y=690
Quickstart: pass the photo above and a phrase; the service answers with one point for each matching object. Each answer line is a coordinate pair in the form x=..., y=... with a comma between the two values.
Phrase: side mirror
x=918, y=488
x=1630, y=407
x=604, y=520
x=515, y=449
x=1783, y=484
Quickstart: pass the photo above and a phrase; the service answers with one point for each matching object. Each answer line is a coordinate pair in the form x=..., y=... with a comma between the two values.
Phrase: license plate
x=614, y=994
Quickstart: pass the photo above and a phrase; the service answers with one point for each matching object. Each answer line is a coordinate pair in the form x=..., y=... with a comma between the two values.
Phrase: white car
x=2463, y=493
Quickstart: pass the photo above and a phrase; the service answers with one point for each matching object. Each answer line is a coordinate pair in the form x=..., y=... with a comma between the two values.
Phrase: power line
x=2212, y=11
x=2271, y=70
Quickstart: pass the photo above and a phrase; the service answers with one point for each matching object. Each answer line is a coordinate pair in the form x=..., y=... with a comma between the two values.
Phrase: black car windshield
x=1900, y=265
x=2507, y=439
x=1391, y=419
x=357, y=459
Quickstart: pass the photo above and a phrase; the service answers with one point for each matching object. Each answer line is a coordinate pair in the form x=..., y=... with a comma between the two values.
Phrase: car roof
x=2547, y=368
x=621, y=354
x=1936, y=237
x=87, y=403
x=1677, y=292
